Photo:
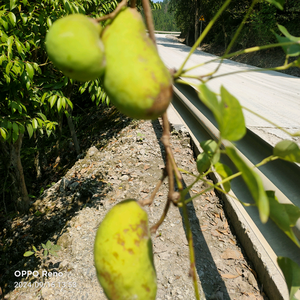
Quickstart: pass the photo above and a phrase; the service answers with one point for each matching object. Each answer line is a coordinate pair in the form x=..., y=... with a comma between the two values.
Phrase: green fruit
x=123, y=254
x=136, y=80
x=73, y=45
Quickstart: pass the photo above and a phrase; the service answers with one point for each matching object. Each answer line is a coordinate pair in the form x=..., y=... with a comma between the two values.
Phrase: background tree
x=34, y=94
x=258, y=27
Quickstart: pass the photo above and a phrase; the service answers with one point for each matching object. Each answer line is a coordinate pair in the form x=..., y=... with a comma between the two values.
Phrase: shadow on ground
x=209, y=276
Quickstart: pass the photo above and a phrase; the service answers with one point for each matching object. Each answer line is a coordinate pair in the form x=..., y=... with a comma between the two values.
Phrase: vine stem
x=236, y=34
x=280, y=68
x=170, y=167
x=192, y=272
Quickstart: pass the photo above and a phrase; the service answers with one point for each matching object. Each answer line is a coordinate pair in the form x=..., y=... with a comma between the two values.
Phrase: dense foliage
x=258, y=27
x=36, y=99
x=164, y=19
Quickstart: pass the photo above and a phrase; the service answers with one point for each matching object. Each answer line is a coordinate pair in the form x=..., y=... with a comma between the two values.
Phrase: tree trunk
x=70, y=122
x=197, y=33
x=22, y=200
x=73, y=132
x=37, y=163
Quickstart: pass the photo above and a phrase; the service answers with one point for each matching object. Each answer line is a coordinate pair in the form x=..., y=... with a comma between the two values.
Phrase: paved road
x=274, y=95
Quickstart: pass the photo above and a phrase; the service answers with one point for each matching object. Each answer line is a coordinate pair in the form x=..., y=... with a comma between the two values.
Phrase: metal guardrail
x=168, y=32
x=262, y=242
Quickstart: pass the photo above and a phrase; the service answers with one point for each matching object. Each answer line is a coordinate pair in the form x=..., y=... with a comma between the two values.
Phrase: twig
x=114, y=13
x=133, y=3
x=149, y=20
x=149, y=200
x=166, y=142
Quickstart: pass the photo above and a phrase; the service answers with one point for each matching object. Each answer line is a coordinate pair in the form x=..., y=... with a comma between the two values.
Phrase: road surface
x=274, y=95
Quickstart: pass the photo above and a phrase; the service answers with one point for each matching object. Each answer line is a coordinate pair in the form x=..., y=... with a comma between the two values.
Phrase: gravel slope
x=129, y=167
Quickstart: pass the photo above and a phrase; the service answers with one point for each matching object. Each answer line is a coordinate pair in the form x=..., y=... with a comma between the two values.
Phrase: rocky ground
x=127, y=166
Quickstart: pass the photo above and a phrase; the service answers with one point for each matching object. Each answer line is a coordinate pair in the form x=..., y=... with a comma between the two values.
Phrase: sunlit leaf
x=34, y=124
x=211, y=101
x=29, y=129
x=3, y=132
x=232, y=125
x=287, y=150
x=30, y=70
x=253, y=182
x=28, y=253
x=12, y=19
x=210, y=147
x=48, y=245
x=291, y=50
x=284, y=215
x=52, y=100
x=224, y=171
x=291, y=272
x=278, y=3
x=203, y=162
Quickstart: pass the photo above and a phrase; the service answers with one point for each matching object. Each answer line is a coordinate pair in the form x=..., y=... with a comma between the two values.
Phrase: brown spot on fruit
x=116, y=255
x=120, y=241
x=146, y=287
x=130, y=251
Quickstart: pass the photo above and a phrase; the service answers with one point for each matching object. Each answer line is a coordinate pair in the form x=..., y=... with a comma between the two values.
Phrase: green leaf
x=15, y=128
x=211, y=101
x=232, y=125
x=29, y=129
x=52, y=100
x=34, y=124
x=287, y=150
x=290, y=50
x=278, y=3
x=48, y=245
x=56, y=247
x=2, y=59
x=42, y=116
x=210, y=147
x=253, y=183
x=8, y=67
x=284, y=215
x=69, y=102
x=12, y=19
x=44, y=246
x=45, y=252
x=28, y=253
x=34, y=248
x=3, y=132
x=49, y=22
x=291, y=272
x=30, y=70
x=12, y=4
x=224, y=171
x=203, y=162
x=53, y=252
x=59, y=104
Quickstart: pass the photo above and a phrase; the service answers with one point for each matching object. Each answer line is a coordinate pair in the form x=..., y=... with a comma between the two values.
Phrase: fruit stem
x=149, y=20
x=133, y=3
